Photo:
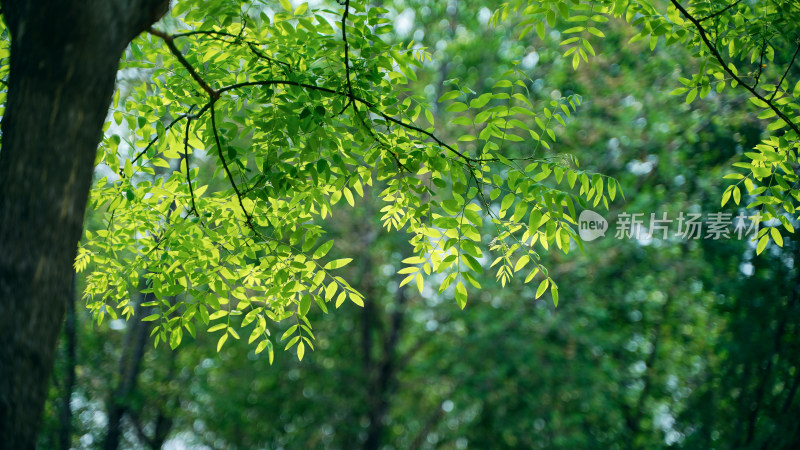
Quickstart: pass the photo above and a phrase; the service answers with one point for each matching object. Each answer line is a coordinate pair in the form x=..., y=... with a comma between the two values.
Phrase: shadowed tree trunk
x=65, y=412
x=130, y=365
x=63, y=63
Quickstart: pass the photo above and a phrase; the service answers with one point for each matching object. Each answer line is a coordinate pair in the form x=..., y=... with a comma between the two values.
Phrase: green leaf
x=128, y=168
x=217, y=327
x=508, y=200
x=726, y=196
x=337, y=263
x=331, y=290
x=761, y=172
x=221, y=341
x=321, y=304
x=542, y=287
x=290, y=331
x=472, y=263
x=305, y=304
x=291, y=343
x=322, y=250
x=521, y=262
x=456, y=107
x=356, y=298
x=449, y=96
x=461, y=294
x=481, y=101
x=691, y=96
x=762, y=244
x=340, y=298
x=776, y=236
x=414, y=259
x=758, y=102
x=218, y=314
x=348, y=196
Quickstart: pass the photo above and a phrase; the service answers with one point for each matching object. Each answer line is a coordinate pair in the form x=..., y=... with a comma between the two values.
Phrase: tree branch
x=719, y=12
x=761, y=65
x=354, y=98
x=350, y=94
x=170, y=41
x=261, y=55
x=219, y=35
x=168, y=127
x=713, y=49
x=248, y=219
x=188, y=168
x=347, y=58
x=786, y=72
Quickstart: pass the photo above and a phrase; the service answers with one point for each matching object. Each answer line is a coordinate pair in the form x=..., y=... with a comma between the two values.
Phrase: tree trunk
x=63, y=63
x=130, y=365
x=65, y=412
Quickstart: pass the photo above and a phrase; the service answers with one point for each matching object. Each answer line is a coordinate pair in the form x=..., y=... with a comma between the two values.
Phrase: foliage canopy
x=301, y=110
x=251, y=124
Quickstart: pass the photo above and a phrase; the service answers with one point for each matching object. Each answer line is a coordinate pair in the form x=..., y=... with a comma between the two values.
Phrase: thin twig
x=347, y=56
x=426, y=133
x=168, y=127
x=351, y=93
x=205, y=33
x=219, y=35
x=188, y=168
x=719, y=12
x=760, y=62
x=354, y=98
x=227, y=169
x=381, y=143
x=257, y=52
x=786, y=72
x=272, y=82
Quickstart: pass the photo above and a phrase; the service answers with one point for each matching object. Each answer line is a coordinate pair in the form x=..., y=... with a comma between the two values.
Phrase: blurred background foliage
x=655, y=343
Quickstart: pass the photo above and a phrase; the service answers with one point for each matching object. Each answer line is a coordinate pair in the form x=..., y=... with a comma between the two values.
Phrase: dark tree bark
x=130, y=365
x=63, y=63
x=65, y=412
